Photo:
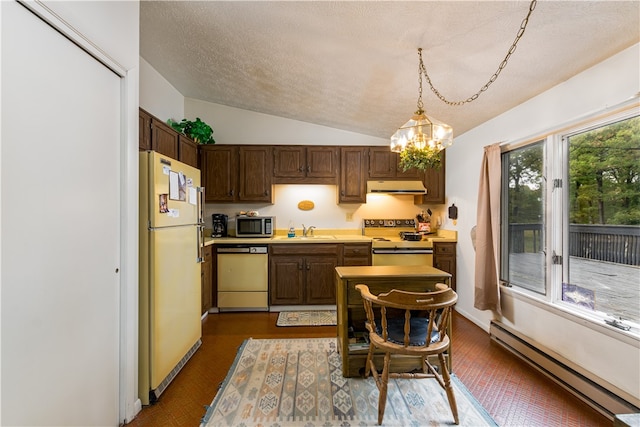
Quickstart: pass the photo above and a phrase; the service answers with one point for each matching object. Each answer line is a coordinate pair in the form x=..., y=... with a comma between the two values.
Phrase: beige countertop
x=378, y=271
x=320, y=236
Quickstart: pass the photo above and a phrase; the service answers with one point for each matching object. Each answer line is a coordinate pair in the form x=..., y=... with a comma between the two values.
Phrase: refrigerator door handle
x=200, y=206
x=200, y=243
x=200, y=240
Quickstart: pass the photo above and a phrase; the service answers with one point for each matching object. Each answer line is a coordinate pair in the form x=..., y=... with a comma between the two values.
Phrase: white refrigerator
x=171, y=229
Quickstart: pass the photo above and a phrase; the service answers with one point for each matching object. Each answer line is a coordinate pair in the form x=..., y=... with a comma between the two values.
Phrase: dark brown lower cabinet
x=207, y=278
x=302, y=274
x=444, y=258
x=356, y=254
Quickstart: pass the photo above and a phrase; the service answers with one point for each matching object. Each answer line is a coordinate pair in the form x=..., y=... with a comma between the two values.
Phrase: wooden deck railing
x=612, y=243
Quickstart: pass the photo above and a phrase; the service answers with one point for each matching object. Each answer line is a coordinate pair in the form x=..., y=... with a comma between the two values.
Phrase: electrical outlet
x=349, y=216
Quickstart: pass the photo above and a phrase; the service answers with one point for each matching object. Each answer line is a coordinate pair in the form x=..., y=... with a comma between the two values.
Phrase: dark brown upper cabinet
x=434, y=182
x=353, y=175
x=296, y=164
x=237, y=173
x=385, y=164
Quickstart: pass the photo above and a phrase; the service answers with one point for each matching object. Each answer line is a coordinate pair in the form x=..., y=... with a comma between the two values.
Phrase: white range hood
x=396, y=187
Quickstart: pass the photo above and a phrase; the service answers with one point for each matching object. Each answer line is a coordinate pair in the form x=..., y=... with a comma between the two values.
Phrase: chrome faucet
x=306, y=230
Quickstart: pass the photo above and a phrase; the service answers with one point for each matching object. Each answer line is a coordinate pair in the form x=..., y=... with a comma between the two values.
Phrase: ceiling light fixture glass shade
x=421, y=132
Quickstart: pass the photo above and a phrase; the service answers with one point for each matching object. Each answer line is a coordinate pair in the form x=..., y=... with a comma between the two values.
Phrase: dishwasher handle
x=242, y=249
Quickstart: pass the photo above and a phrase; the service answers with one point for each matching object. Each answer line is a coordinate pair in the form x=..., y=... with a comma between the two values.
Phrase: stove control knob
x=381, y=222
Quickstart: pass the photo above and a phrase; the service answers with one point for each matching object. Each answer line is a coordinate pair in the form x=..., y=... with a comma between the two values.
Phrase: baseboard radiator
x=601, y=398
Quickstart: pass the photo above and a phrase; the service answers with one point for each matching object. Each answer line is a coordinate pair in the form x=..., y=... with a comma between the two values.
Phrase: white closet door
x=61, y=138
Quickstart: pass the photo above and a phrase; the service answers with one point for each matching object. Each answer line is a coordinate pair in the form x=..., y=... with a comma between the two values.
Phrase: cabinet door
x=219, y=172
x=289, y=162
x=382, y=163
x=320, y=279
x=434, y=182
x=356, y=254
x=444, y=258
x=286, y=275
x=164, y=139
x=411, y=173
x=187, y=151
x=256, y=172
x=322, y=162
x=144, y=130
x=352, y=184
x=207, y=278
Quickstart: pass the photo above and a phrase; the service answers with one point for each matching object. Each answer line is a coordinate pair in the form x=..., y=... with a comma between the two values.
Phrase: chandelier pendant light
x=420, y=140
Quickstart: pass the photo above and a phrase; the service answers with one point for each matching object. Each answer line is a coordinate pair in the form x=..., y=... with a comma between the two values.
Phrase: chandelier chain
x=494, y=77
x=420, y=103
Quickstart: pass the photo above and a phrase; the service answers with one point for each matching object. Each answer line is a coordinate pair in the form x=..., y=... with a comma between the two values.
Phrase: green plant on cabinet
x=197, y=130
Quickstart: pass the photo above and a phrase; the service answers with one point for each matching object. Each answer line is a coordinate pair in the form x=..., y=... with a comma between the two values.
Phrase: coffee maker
x=219, y=228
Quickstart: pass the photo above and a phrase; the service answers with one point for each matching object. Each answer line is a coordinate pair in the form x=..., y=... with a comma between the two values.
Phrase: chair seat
x=418, y=335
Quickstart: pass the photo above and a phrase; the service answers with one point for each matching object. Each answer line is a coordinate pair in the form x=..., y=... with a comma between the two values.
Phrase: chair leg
x=382, y=401
x=449, y=388
x=367, y=365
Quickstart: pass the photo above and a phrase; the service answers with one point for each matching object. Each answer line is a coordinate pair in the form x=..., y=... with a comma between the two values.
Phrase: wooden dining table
x=350, y=312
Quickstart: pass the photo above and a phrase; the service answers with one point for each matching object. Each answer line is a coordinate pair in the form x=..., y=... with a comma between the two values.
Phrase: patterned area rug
x=299, y=383
x=307, y=318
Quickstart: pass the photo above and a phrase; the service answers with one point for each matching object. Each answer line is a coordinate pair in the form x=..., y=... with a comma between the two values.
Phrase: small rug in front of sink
x=307, y=318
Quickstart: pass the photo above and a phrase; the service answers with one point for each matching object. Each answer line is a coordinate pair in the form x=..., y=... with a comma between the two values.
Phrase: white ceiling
x=354, y=65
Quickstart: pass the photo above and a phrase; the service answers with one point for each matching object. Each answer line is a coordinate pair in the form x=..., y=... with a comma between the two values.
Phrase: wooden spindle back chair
x=421, y=330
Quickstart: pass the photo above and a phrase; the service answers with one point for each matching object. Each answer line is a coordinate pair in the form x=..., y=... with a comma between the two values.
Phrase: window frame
x=556, y=218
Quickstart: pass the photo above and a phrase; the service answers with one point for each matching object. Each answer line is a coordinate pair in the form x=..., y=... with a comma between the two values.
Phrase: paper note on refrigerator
x=193, y=194
x=174, y=186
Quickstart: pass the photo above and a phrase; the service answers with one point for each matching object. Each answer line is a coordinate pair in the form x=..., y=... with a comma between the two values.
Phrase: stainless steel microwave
x=252, y=226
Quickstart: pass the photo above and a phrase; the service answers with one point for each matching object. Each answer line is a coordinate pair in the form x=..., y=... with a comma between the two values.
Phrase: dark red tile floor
x=511, y=391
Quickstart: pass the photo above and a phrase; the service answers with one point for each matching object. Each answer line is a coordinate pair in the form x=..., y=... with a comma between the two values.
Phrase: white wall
x=234, y=126
x=158, y=96
x=606, y=84
x=326, y=214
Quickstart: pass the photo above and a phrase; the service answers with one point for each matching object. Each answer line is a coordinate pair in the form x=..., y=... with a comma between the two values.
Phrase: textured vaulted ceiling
x=354, y=65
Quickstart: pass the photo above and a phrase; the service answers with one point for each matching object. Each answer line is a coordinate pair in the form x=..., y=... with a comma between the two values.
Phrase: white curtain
x=487, y=273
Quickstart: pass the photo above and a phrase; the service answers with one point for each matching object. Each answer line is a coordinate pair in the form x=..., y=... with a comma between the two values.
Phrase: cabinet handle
x=308, y=168
x=301, y=168
x=299, y=266
x=308, y=266
x=231, y=193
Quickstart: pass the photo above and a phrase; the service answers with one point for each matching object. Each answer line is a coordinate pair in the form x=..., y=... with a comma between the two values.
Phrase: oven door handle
x=401, y=251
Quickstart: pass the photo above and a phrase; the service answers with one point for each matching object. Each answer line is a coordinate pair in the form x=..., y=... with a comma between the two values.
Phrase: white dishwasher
x=243, y=277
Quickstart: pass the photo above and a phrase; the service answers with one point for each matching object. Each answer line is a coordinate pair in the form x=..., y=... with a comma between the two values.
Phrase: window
x=571, y=220
x=523, y=206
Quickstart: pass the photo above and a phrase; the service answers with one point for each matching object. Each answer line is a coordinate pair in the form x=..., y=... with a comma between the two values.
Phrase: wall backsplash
x=327, y=213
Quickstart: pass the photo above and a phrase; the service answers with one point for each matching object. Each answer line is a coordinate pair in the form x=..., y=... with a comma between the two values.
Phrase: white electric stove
x=390, y=248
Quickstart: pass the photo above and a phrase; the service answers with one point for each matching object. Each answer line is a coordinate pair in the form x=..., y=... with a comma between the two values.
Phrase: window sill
x=594, y=322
